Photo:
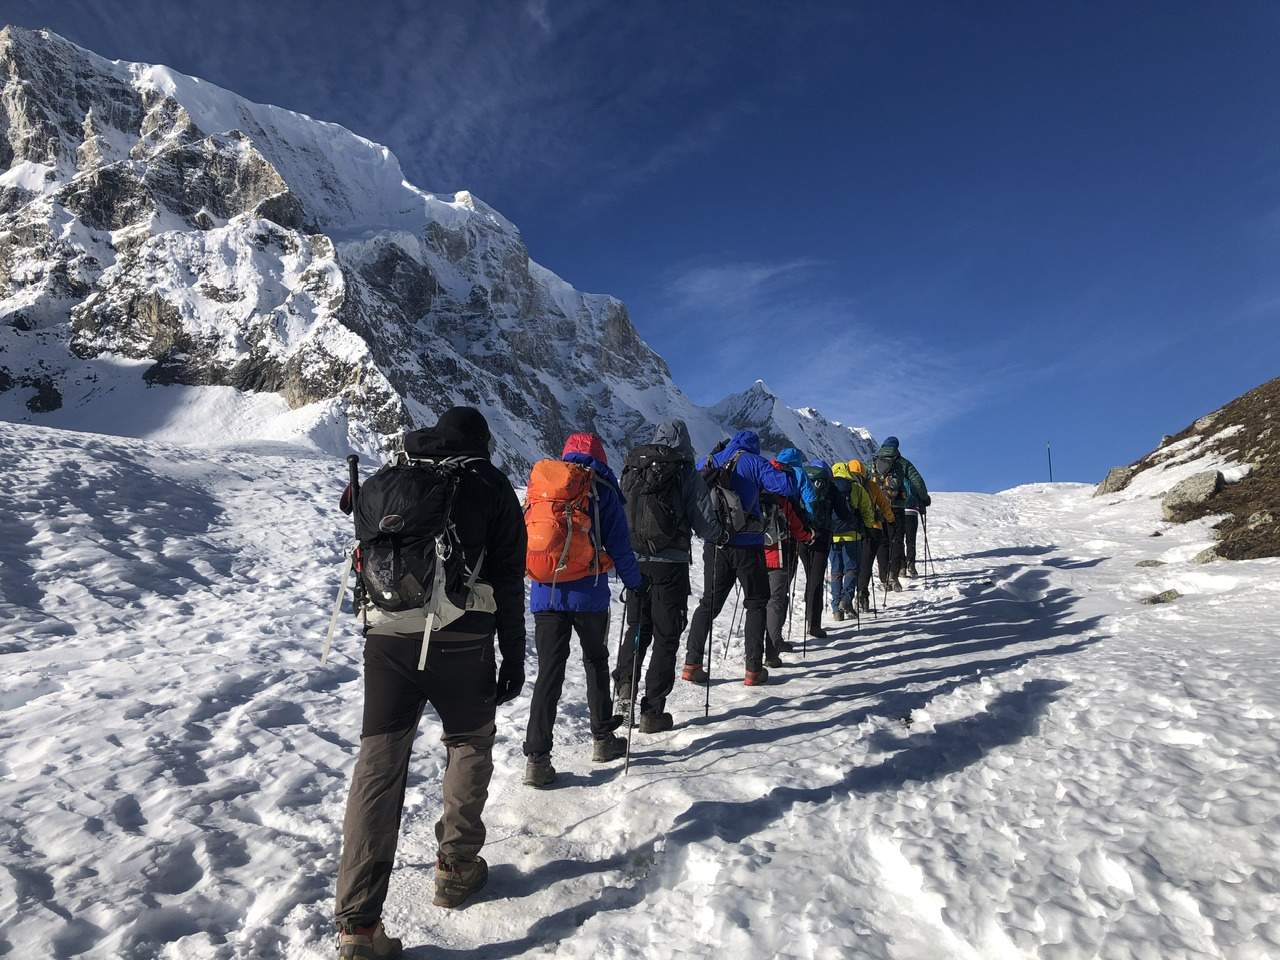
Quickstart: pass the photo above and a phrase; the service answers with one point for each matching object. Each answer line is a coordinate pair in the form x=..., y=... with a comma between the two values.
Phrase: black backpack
x=409, y=559
x=650, y=483
x=732, y=513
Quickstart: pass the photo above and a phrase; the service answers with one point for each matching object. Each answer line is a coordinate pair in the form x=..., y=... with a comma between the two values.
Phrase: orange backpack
x=561, y=517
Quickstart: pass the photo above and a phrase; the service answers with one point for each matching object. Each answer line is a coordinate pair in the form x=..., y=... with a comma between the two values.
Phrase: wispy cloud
x=784, y=324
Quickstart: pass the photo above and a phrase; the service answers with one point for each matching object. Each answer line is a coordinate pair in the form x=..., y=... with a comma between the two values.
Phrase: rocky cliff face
x=147, y=217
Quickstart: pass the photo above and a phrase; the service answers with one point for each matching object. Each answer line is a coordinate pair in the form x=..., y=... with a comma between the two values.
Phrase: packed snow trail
x=1019, y=760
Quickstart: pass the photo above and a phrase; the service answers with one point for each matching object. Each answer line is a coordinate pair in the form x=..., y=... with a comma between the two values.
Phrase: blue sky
x=982, y=227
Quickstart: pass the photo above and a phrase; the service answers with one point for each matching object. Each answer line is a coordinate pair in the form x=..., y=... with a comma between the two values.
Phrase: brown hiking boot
x=367, y=943
x=457, y=881
x=539, y=773
x=611, y=747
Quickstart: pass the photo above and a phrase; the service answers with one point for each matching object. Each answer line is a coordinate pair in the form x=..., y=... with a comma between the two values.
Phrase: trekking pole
x=928, y=554
x=635, y=669
x=733, y=622
x=353, y=485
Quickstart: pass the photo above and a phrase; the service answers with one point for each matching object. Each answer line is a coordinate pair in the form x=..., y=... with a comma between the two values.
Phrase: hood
x=887, y=451
x=444, y=441
x=747, y=440
x=587, y=443
x=792, y=458
x=674, y=434
x=841, y=470
x=820, y=464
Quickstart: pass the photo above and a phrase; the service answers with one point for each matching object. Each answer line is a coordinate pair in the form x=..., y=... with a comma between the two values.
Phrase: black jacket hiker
x=458, y=681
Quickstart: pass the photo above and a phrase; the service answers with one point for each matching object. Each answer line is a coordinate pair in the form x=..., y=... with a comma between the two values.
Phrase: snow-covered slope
x=1014, y=758
x=156, y=228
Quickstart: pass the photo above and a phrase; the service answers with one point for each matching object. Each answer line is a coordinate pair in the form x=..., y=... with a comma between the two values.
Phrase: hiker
x=785, y=529
x=875, y=541
x=579, y=605
x=823, y=509
x=666, y=502
x=918, y=503
x=739, y=556
x=847, y=532
x=458, y=680
x=900, y=480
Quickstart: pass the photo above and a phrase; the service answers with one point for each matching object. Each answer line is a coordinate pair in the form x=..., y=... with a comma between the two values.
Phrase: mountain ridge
x=149, y=218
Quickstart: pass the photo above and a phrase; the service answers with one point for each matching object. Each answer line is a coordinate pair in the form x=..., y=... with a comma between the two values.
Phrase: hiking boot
x=539, y=773
x=757, y=678
x=694, y=673
x=819, y=633
x=655, y=722
x=610, y=748
x=911, y=570
x=457, y=881
x=786, y=647
x=367, y=943
x=838, y=614
x=895, y=584
x=622, y=695
x=773, y=660
x=864, y=601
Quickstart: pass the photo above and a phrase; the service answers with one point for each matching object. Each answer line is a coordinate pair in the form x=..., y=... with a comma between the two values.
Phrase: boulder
x=1191, y=492
x=1117, y=479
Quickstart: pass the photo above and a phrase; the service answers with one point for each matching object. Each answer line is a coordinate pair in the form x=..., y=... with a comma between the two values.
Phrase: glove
x=510, y=680
x=626, y=594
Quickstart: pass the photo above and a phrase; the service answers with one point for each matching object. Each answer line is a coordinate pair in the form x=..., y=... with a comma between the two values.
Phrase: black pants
x=722, y=568
x=459, y=682
x=896, y=536
x=911, y=522
x=552, y=630
x=657, y=612
x=815, y=555
x=875, y=546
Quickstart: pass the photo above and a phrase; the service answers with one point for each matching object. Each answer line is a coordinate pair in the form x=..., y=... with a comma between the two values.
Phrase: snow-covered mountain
x=159, y=232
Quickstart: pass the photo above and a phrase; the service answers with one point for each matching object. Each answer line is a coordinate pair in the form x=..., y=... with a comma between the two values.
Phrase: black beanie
x=468, y=421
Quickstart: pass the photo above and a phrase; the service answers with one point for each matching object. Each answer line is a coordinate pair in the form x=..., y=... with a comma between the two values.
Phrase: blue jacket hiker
x=739, y=560
x=580, y=606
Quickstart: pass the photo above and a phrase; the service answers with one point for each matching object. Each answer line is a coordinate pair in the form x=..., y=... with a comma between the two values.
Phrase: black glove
x=625, y=594
x=510, y=680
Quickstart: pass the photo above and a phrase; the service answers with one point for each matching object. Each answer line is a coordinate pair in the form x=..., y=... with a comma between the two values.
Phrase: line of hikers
x=443, y=549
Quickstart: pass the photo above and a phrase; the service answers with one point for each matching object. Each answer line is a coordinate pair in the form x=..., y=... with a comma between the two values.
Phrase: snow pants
x=459, y=681
x=875, y=546
x=911, y=526
x=657, y=613
x=722, y=568
x=552, y=631
x=814, y=556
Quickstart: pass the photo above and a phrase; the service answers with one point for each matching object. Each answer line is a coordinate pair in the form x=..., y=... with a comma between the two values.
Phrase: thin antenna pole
x=1049, y=449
